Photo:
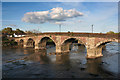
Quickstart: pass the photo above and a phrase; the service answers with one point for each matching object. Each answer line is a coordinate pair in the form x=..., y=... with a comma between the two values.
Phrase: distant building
x=14, y=35
x=9, y=35
x=6, y=35
x=19, y=34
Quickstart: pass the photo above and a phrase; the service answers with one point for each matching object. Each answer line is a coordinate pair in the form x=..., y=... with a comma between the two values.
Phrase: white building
x=19, y=35
x=9, y=36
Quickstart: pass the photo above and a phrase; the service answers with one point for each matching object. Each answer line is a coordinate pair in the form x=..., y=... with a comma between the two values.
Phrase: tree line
x=111, y=32
x=9, y=30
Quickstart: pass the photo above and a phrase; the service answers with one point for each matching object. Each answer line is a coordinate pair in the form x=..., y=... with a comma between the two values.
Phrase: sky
x=73, y=16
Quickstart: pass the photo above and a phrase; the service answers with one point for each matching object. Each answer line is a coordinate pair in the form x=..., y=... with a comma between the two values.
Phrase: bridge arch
x=30, y=42
x=105, y=42
x=100, y=45
x=66, y=44
x=21, y=42
x=14, y=42
x=44, y=40
x=79, y=40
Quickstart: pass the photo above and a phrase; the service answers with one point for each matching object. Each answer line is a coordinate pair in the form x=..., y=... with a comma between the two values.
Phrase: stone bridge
x=93, y=42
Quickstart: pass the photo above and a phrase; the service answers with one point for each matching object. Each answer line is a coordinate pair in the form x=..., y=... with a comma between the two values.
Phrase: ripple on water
x=73, y=64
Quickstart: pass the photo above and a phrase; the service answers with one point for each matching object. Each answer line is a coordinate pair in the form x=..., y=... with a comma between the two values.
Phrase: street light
x=60, y=27
x=92, y=28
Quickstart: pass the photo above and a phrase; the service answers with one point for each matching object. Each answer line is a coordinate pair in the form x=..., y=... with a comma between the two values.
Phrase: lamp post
x=92, y=28
x=59, y=27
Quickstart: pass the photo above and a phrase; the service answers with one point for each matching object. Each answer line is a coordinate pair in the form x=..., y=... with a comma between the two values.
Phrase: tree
x=18, y=31
x=110, y=32
x=29, y=32
x=68, y=31
x=7, y=30
x=0, y=31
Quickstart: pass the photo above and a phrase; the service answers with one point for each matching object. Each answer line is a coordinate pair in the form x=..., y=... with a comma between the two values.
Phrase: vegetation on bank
x=6, y=42
x=111, y=32
x=9, y=30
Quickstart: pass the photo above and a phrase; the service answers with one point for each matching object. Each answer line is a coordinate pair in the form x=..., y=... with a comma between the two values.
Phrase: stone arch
x=105, y=42
x=43, y=42
x=21, y=42
x=30, y=42
x=99, y=47
x=14, y=42
x=82, y=42
x=65, y=45
x=48, y=37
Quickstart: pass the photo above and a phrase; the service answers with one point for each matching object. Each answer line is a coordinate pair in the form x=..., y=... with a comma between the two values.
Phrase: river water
x=30, y=63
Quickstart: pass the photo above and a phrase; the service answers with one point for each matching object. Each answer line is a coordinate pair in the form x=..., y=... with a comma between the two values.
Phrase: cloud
x=53, y=15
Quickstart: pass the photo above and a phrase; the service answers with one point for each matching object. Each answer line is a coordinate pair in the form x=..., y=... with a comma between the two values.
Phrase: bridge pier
x=36, y=47
x=94, y=53
x=61, y=49
x=92, y=50
x=66, y=47
x=24, y=46
x=27, y=46
x=58, y=49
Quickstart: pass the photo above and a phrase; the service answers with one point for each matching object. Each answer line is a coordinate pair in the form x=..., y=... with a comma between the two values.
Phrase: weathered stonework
x=92, y=44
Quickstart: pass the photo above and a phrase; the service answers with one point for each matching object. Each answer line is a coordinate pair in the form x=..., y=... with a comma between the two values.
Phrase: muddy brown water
x=29, y=63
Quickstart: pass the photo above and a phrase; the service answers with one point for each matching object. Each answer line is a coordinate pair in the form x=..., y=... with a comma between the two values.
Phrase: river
x=30, y=63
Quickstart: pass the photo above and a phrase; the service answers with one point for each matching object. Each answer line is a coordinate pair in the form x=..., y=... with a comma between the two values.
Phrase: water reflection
x=44, y=58
x=93, y=66
x=65, y=64
x=62, y=58
x=39, y=56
